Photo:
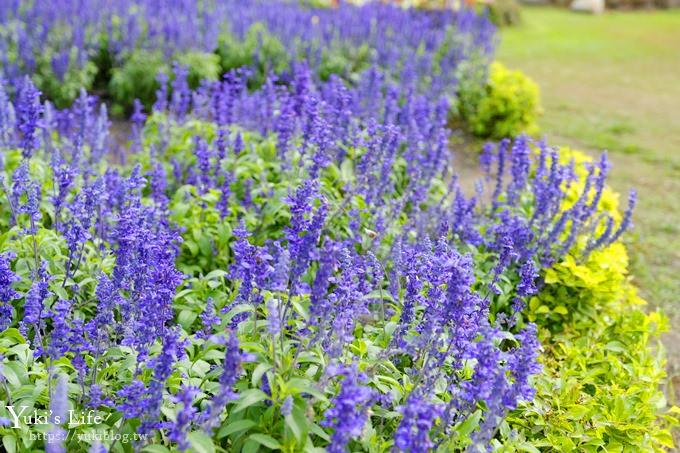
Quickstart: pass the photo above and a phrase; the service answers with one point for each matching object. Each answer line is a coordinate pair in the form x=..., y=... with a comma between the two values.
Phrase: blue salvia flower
x=29, y=111
x=209, y=319
x=502, y=149
x=520, y=162
x=203, y=155
x=627, y=221
x=603, y=167
x=137, y=118
x=287, y=406
x=251, y=267
x=273, y=317
x=278, y=280
x=64, y=176
x=528, y=275
x=239, y=145
x=524, y=364
x=284, y=127
x=138, y=400
x=62, y=338
x=34, y=303
x=224, y=203
x=486, y=157
x=96, y=398
x=603, y=239
x=58, y=416
x=411, y=266
x=7, y=118
x=349, y=409
x=7, y=292
x=159, y=180
x=181, y=94
x=24, y=188
x=413, y=433
x=347, y=298
x=59, y=401
x=109, y=301
x=132, y=398
x=161, y=103
x=304, y=229
x=320, y=305
x=185, y=417
x=231, y=371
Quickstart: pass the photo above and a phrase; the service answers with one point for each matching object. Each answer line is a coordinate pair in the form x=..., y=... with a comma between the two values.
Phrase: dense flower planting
x=284, y=260
x=120, y=46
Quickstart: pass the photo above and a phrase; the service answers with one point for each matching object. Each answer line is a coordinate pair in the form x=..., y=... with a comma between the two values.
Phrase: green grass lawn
x=613, y=82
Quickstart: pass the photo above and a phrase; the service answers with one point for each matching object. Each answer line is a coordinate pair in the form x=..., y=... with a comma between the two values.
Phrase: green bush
x=504, y=13
x=137, y=78
x=507, y=104
x=63, y=91
x=344, y=61
x=201, y=65
x=259, y=50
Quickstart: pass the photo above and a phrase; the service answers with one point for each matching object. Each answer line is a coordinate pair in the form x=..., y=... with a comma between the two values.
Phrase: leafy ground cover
x=610, y=82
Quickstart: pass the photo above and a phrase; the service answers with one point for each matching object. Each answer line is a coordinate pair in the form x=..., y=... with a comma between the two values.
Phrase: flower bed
x=295, y=268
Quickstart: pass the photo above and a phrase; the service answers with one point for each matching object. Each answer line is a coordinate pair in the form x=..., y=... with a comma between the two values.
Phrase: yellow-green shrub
x=600, y=388
x=505, y=106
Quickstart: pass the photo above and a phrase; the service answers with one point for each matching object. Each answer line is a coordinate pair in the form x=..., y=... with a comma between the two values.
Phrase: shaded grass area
x=613, y=82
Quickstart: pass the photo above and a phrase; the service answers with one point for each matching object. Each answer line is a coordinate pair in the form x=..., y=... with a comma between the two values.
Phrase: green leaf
x=13, y=372
x=217, y=273
x=248, y=398
x=260, y=369
x=266, y=440
x=201, y=442
x=10, y=443
x=469, y=425
x=298, y=423
x=528, y=448
x=250, y=447
x=664, y=438
x=186, y=318
x=298, y=386
x=316, y=429
x=234, y=427
x=192, y=246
